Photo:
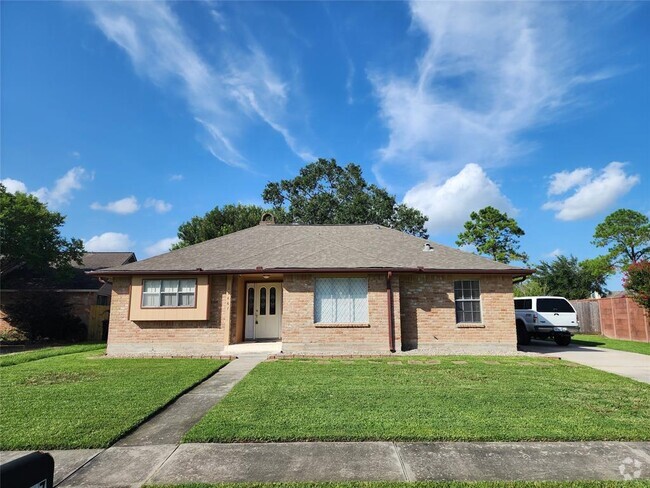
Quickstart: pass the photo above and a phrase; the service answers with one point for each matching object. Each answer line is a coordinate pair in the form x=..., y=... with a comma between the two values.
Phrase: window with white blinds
x=168, y=293
x=341, y=300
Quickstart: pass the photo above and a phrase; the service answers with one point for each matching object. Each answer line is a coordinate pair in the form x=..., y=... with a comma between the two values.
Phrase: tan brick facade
x=172, y=338
x=301, y=335
x=424, y=318
x=429, y=314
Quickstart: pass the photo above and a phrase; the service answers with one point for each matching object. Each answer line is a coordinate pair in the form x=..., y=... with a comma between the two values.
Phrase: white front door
x=263, y=311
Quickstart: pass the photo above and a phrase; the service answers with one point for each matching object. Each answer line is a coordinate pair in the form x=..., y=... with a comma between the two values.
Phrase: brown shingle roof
x=308, y=247
x=101, y=260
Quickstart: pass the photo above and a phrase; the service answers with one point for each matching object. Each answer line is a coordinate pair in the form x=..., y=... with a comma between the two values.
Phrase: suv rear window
x=523, y=304
x=554, y=305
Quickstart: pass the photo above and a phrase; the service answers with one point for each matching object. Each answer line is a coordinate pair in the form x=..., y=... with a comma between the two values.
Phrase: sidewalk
x=353, y=461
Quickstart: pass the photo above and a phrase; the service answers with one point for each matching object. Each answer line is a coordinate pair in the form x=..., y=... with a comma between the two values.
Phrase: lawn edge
x=91, y=347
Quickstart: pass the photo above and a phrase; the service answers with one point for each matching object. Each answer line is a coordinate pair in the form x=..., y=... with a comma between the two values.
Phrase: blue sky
x=130, y=118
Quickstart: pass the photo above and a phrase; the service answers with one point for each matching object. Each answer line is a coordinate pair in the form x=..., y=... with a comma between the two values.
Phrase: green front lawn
x=25, y=357
x=460, y=399
x=425, y=484
x=85, y=400
x=606, y=342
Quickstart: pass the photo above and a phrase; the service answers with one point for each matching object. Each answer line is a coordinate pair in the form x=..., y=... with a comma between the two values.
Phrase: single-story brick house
x=317, y=288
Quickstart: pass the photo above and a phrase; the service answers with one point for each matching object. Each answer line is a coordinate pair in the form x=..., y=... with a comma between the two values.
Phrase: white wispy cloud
x=160, y=247
x=160, y=206
x=14, y=186
x=565, y=180
x=592, y=194
x=109, y=241
x=448, y=203
x=177, y=177
x=490, y=71
x=221, y=98
x=61, y=192
x=555, y=253
x=124, y=206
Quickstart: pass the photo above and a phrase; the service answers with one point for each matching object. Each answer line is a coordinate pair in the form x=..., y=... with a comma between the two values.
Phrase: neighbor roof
x=101, y=260
x=286, y=248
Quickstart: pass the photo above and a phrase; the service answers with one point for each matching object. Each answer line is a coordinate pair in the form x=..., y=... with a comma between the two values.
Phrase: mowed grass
x=85, y=400
x=425, y=484
x=46, y=352
x=459, y=399
x=607, y=343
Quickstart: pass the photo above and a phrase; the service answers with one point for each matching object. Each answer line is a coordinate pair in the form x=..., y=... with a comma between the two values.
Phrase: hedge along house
x=350, y=289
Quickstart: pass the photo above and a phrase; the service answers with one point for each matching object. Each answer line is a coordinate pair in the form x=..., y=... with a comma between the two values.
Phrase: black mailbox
x=35, y=470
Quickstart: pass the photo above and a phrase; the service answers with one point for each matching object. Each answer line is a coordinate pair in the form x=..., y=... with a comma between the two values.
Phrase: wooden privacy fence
x=98, y=313
x=618, y=318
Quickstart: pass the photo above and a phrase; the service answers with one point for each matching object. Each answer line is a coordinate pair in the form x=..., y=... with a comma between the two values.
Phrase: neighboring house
x=319, y=289
x=81, y=290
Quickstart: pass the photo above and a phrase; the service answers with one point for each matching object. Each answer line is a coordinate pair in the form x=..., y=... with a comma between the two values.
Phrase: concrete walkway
x=629, y=364
x=169, y=426
x=352, y=461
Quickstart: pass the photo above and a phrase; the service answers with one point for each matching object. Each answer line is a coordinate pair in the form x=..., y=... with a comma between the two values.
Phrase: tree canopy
x=636, y=282
x=626, y=233
x=219, y=222
x=326, y=193
x=566, y=277
x=494, y=234
x=30, y=234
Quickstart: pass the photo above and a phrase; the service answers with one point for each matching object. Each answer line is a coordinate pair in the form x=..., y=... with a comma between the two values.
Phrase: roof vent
x=427, y=247
x=267, y=219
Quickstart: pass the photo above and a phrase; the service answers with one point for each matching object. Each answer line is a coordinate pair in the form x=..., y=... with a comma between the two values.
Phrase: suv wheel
x=523, y=338
x=563, y=340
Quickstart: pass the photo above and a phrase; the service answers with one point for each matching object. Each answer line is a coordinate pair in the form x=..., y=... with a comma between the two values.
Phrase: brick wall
x=172, y=338
x=428, y=314
x=301, y=335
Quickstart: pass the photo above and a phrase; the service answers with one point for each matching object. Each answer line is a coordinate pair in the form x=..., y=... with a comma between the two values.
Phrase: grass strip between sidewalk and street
x=425, y=484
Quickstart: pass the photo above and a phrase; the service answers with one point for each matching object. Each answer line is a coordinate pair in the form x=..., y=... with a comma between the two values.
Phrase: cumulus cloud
x=109, y=241
x=160, y=247
x=592, y=194
x=160, y=206
x=61, y=192
x=224, y=98
x=124, y=206
x=449, y=203
x=14, y=186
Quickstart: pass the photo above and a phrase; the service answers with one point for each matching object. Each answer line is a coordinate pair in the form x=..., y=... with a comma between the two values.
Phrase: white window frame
x=160, y=293
x=471, y=299
x=357, y=316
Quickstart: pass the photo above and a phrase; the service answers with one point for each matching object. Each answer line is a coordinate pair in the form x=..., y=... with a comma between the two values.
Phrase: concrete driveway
x=630, y=364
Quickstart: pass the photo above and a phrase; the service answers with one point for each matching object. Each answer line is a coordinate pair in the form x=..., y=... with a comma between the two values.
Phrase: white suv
x=545, y=318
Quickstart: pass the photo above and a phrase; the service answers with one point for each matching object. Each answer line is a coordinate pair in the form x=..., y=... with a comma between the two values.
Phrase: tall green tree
x=636, y=282
x=30, y=234
x=493, y=234
x=326, y=193
x=626, y=234
x=569, y=278
x=219, y=222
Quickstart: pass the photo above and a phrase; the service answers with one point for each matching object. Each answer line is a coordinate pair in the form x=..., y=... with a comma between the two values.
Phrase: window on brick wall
x=168, y=293
x=341, y=300
x=467, y=295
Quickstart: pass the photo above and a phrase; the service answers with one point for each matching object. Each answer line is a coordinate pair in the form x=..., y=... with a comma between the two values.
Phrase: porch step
x=253, y=348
